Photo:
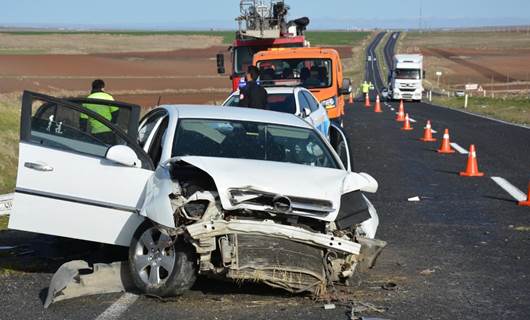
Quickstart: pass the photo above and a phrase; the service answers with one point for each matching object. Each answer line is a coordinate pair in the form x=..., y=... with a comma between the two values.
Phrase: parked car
x=295, y=100
x=238, y=193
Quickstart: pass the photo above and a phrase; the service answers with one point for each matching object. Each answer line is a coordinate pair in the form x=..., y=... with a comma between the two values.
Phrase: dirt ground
x=495, y=60
x=179, y=76
x=98, y=43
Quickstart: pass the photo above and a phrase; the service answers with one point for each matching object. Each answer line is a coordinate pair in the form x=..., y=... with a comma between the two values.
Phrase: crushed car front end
x=279, y=231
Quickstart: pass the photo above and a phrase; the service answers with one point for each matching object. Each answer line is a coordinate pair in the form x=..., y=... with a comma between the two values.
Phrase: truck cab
x=406, y=79
x=317, y=69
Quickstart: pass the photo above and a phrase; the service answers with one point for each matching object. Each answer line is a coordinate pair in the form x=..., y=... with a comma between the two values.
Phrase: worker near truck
x=96, y=128
x=253, y=95
x=367, y=86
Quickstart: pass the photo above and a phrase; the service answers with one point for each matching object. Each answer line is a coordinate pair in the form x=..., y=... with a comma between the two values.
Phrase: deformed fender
x=157, y=204
x=71, y=281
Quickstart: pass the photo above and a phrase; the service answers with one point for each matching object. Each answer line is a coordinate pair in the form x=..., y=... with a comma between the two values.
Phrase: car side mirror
x=306, y=112
x=220, y=63
x=123, y=155
x=346, y=87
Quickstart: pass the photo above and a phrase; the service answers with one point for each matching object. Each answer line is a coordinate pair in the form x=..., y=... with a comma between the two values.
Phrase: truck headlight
x=329, y=103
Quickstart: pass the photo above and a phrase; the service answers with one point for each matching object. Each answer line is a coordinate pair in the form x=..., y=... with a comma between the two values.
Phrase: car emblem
x=281, y=204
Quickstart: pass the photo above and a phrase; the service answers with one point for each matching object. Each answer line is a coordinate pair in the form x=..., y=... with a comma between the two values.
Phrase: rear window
x=279, y=102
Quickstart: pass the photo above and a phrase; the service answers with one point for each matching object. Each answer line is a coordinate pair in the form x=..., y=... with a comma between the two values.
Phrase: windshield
x=408, y=74
x=311, y=73
x=280, y=102
x=243, y=57
x=251, y=140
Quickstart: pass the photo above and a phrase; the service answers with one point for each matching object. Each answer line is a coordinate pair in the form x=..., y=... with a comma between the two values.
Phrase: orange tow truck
x=317, y=69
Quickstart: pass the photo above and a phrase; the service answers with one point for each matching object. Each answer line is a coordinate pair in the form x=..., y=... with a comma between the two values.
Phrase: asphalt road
x=456, y=254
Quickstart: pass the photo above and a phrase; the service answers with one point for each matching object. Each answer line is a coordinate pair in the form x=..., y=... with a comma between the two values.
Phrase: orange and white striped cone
x=446, y=144
x=367, y=101
x=527, y=202
x=427, y=133
x=401, y=113
x=472, y=164
x=377, y=108
x=406, y=125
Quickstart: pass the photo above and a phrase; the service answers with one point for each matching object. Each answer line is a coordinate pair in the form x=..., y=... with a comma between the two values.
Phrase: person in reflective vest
x=367, y=86
x=96, y=128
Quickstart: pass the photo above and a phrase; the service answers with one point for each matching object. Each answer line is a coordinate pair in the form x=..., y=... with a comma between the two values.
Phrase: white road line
x=119, y=307
x=459, y=148
x=510, y=188
x=434, y=131
x=412, y=120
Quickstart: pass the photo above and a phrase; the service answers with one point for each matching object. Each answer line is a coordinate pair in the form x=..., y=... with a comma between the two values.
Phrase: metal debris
x=76, y=279
x=329, y=306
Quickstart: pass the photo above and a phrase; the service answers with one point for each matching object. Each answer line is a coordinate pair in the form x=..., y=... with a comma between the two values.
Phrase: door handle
x=38, y=166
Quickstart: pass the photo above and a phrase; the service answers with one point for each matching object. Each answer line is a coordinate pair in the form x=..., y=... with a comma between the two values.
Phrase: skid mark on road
x=119, y=307
x=458, y=148
x=510, y=188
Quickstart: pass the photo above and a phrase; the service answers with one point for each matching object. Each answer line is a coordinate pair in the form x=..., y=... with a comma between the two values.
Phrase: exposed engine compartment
x=265, y=240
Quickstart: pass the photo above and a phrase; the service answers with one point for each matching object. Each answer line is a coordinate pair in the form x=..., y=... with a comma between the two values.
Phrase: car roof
x=234, y=113
x=280, y=89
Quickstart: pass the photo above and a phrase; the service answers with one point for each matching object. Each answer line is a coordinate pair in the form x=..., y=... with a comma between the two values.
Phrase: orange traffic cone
x=367, y=101
x=472, y=165
x=351, y=98
x=446, y=144
x=401, y=112
x=377, y=105
x=406, y=125
x=427, y=133
x=527, y=202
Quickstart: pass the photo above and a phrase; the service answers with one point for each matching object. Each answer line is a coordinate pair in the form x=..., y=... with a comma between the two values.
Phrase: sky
x=220, y=14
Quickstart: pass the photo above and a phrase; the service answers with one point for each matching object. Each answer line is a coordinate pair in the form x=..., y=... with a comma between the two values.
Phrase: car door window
x=302, y=101
x=147, y=125
x=313, y=104
x=59, y=125
x=155, y=147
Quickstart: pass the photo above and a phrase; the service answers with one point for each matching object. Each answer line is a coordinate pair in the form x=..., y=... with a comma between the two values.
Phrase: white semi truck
x=405, y=80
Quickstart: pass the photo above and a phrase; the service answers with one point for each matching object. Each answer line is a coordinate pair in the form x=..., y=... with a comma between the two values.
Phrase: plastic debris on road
x=77, y=278
x=414, y=199
x=6, y=203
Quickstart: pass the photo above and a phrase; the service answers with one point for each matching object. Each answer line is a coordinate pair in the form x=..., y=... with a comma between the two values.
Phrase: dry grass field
x=88, y=43
x=498, y=61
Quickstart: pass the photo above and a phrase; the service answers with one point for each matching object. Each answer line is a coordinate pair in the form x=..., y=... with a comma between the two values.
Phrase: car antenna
x=159, y=99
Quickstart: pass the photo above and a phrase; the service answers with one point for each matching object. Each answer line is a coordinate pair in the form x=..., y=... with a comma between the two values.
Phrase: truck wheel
x=160, y=265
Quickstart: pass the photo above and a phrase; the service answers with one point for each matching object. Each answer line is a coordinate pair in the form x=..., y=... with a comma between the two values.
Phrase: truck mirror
x=220, y=63
x=346, y=87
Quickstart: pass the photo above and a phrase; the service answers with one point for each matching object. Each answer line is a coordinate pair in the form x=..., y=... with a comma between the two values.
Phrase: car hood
x=276, y=178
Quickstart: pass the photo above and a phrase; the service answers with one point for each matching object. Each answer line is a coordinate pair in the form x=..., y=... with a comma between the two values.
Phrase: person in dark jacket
x=253, y=95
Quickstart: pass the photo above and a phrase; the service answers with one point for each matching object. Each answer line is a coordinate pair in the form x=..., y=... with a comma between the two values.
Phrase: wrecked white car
x=236, y=193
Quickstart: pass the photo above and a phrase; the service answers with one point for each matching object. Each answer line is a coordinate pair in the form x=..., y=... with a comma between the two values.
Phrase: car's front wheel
x=161, y=265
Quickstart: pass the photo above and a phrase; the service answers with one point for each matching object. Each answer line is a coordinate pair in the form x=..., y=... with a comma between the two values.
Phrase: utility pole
x=421, y=16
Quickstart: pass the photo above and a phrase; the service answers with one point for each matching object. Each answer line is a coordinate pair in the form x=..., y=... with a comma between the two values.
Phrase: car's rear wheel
x=161, y=265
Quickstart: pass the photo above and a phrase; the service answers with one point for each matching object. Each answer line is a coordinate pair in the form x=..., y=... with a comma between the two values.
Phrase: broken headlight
x=194, y=210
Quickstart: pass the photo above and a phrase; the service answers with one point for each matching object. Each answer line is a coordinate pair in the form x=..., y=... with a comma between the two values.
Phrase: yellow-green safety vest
x=365, y=87
x=102, y=110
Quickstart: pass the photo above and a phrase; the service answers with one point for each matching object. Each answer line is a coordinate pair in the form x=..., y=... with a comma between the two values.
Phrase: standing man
x=365, y=87
x=253, y=95
x=110, y=113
